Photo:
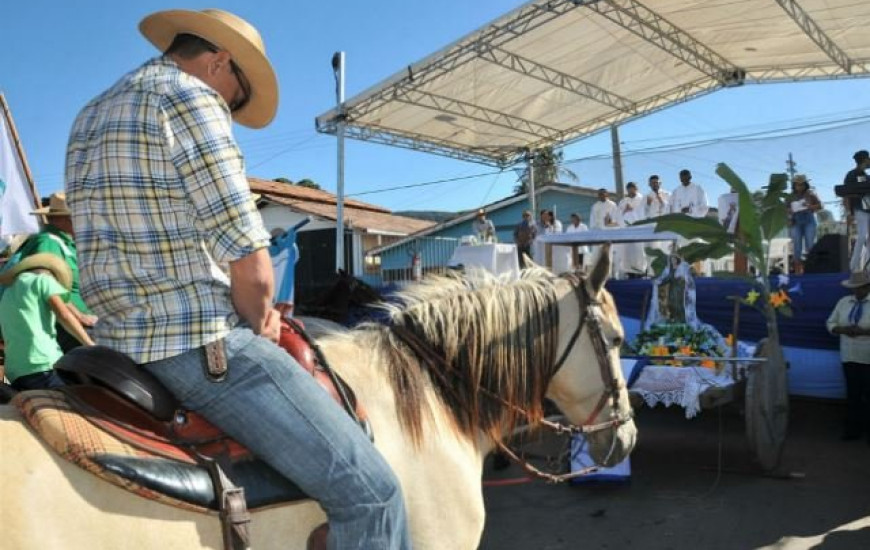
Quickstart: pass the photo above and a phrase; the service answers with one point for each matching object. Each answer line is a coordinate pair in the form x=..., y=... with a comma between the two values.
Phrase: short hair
x=576, y=215
x=861, y=156
x=188, y=46
x=631, y=184
x=654, y=177
x=602, y=190
x=685, y=172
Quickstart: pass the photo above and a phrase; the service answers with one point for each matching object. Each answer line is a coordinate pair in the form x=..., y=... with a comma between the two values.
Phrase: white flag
x=16, y=198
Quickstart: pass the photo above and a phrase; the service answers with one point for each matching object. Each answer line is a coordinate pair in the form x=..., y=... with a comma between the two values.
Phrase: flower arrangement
x=669, y=339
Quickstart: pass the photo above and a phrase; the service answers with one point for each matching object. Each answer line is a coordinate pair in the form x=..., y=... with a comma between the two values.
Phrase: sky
x=58, y=55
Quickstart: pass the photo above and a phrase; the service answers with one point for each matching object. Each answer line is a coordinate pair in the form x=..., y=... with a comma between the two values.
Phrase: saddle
x=118, y=421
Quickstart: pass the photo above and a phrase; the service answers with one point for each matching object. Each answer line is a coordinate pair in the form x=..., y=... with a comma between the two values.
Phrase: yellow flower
x=686, y=350
x=729, y=340
x=752, y=296
x=708, y=364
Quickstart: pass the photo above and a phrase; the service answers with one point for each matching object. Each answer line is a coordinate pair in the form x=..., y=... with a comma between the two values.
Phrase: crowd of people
x=630, y=260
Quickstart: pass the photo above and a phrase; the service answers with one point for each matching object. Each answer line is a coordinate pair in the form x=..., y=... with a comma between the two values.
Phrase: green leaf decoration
x=659, y=260
x=747, y=219
x=689, y=227
x=694, y=252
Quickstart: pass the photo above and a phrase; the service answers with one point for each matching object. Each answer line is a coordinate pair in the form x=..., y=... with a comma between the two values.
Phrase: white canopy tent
x=555, y=71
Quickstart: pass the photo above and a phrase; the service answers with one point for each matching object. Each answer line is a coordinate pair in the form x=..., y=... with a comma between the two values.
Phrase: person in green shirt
x=37, y=289
x=57, y=238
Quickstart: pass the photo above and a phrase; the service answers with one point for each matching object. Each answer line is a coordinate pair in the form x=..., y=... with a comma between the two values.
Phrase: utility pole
x=531, y=159
x=617, y=160
x=338, y=70
x=790, y=165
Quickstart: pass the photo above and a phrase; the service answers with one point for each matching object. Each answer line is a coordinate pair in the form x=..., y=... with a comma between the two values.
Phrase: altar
x=497, y=258
x=631, y=234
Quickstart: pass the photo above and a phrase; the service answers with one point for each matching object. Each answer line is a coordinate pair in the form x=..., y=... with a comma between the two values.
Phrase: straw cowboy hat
x=857, y=279
x=800, y=178
x=44, y=260
x=56, y=206
x=233, y=34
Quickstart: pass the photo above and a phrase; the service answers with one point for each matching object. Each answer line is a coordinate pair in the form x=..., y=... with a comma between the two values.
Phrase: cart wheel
x=767, y=406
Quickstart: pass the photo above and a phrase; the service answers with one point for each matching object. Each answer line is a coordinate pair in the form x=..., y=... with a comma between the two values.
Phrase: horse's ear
x=527, y=262
x=601, y=271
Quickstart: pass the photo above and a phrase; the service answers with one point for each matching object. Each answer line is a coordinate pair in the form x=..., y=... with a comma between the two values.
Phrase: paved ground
x=681, y=496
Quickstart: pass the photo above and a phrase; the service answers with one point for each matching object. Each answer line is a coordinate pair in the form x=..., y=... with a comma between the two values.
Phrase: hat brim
x=47, y=211
x=44, y=260
x=162, y=27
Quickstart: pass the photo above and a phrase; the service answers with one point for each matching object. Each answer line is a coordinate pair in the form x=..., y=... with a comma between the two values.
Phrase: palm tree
x=548, y=164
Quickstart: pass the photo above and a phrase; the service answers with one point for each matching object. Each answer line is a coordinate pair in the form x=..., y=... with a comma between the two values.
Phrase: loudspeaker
x=830, y=254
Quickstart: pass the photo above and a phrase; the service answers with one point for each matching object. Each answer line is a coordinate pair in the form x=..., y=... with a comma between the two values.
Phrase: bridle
x=590, y=319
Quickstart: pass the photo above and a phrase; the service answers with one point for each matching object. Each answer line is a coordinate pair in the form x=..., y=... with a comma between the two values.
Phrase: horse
x=346, y=294
x=462, y=361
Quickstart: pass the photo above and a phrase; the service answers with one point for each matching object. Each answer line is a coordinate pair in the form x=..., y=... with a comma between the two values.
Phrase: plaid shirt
x=160, y=205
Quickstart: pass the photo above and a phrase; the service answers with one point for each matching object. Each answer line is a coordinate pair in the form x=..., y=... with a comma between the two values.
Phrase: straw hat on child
x=42, y=260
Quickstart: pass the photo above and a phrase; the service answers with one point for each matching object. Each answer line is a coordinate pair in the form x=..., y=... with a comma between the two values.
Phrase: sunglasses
x=243, y=84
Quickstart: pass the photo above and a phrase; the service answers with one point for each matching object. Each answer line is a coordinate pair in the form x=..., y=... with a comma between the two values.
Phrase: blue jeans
x=275, y=408
x=45, y=380
x=803, y=233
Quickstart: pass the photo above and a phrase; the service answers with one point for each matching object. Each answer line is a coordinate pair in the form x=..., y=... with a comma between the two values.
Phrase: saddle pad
x=78, y=441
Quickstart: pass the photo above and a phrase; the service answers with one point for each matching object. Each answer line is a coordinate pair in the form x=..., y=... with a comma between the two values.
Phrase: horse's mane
x=486, y=347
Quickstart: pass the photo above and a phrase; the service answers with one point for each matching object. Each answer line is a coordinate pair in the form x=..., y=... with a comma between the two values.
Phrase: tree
x=307, y=183
x=548, y=169
x=758, y=223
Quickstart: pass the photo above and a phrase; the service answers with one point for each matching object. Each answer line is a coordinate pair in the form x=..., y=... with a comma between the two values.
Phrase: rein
x=589, y=319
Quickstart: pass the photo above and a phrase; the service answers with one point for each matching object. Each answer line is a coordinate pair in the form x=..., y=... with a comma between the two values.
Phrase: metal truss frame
x=490, y=44
x=816, y=34
x=655, y=29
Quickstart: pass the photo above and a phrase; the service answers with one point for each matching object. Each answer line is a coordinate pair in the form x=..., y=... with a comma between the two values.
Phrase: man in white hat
x=175, y=262
x=35, y=293
x=851, y=321
x=57, y=237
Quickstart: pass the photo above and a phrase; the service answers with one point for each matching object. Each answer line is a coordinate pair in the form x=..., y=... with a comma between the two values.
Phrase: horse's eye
x=617, y=342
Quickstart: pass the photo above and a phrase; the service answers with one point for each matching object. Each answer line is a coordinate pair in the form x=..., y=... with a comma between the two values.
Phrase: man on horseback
x=175, y=262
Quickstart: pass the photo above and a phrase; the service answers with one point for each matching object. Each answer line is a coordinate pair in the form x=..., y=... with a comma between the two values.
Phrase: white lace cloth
x=682, y=386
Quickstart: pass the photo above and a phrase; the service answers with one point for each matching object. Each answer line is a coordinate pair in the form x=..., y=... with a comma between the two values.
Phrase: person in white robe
x=657, y=203
x=604, y=215
x=690, y=199
x=632, y=260
x=565, y=261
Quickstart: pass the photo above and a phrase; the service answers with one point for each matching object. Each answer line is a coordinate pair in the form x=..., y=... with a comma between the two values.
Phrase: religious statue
x=673, y=296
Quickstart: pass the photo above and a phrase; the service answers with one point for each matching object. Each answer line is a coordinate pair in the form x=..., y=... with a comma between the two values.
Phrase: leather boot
x=798, y=267
x=317, y=538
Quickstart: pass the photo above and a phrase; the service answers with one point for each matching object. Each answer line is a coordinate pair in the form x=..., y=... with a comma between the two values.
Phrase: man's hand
x=272, y=326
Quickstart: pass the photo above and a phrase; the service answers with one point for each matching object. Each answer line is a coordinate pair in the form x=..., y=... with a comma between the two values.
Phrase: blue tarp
x=812, y=353
x=813, y=298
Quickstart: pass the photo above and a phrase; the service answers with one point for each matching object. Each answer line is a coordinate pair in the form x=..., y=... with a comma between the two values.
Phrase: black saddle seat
x=106, y=367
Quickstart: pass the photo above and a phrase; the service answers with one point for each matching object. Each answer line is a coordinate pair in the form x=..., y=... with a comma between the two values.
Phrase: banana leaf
x=688, y=227
x=748, y=214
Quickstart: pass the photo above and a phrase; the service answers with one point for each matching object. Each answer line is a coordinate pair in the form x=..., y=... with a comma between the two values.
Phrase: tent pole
x=338, y=69
x=7, y=114
x=617, y=160
x=530, y=159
